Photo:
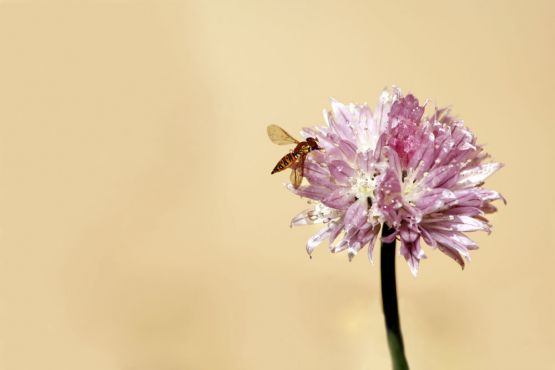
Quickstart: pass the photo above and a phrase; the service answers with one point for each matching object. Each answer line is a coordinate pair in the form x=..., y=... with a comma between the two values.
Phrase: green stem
x=389, y=302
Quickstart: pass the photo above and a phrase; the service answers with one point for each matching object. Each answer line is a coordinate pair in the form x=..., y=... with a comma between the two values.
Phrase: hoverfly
x=294, y=159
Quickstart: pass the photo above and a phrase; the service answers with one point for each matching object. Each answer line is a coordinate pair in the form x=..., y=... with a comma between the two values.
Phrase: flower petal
x=341, y=171
x=317, y=215
x=316, y=174
x=336, y=230
x=413, y=253
x=370, y=239
x=356, y=215
x=477, y=175
x=317, y=239
x=340, y=198
x=315, y=192
x=348, y=149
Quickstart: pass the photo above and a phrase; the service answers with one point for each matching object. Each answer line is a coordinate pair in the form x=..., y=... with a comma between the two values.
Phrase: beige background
x=140, y=228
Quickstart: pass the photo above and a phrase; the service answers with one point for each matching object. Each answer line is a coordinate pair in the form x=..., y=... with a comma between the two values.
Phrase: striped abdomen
x=286, y=161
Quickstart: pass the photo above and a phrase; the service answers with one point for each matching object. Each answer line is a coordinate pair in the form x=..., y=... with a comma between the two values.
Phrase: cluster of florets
x=420, y=175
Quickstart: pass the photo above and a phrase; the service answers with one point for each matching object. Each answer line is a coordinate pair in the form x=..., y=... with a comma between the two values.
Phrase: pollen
x=363, y=186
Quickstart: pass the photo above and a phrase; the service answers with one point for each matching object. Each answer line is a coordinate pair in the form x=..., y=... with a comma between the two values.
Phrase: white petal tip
x=413, y=269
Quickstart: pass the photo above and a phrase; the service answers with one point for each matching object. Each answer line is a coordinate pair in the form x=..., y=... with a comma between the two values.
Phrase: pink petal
x=317, y=239
x=365, y=161
x=341, y=171
x=453, y=253
x=353, y=250
x=356, y=215
x=477, y=175
x=343, y=244
x=336, y=230
x=348, y=149
x=412, y=253
x=444, y=176
x=317, y=174
x=340, y=198
x=370, y=239
x=315, y=192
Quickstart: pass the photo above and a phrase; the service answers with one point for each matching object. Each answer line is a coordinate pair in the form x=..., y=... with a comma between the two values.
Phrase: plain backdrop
x=140, y=228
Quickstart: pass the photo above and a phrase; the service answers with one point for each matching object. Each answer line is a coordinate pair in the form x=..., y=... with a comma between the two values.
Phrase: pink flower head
x=422, y=176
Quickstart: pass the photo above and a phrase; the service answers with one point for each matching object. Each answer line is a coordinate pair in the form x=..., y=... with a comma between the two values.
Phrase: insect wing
x=280, y=136
x=296, y=176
